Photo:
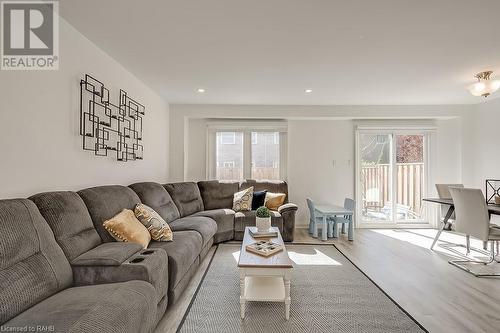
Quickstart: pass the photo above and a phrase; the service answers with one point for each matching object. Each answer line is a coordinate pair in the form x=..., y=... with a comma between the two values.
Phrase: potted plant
x=263, y=219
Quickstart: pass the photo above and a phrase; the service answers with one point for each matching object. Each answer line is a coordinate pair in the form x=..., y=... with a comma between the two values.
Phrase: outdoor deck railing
x=410, y=185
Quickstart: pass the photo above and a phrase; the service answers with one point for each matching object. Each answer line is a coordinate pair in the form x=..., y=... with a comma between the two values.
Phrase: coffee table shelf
x=264, y=288
x=264, y=279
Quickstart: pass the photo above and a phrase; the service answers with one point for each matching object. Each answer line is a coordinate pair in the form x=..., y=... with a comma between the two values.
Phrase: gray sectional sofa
x=61, y=269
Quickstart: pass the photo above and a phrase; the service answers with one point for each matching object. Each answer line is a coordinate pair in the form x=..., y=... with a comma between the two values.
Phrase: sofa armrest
x=287, y=212
x=286, y=207
x=120, y=262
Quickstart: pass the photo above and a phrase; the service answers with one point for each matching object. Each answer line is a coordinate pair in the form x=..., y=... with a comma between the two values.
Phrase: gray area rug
x=329, y=294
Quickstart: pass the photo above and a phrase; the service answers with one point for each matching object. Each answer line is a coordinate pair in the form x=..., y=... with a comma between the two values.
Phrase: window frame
x=254, y=138
x=246, y=129
x=429, y=165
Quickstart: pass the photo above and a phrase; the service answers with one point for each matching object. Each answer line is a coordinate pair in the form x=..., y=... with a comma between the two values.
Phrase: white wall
x=313, y=147
x=481, y=143
x=39, y=125
x=316, y=137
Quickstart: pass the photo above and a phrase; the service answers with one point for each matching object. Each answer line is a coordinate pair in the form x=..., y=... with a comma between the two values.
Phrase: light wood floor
x=438, y=295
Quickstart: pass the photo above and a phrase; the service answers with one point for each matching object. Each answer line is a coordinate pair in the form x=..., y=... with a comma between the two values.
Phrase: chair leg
x=324, y=226
x=350, y=232
x=460, y=263
x=336, y=230
x=311, y=226
x=315, y=229
x=343, y=228
x=330, y=229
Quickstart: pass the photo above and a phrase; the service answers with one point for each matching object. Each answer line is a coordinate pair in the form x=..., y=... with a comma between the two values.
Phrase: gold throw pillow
x=157, y=227
x=274, y=200
x=242, y=200
x=125, y=227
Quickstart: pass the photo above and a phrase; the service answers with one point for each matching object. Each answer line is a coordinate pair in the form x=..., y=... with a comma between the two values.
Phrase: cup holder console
x=148, y=252
x=137, y=260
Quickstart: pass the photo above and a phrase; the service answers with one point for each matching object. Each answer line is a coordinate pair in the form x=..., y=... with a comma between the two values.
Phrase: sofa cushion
x=225, y=223
x=247, y=219
x=276, y=186
x=182, y=252
x=104, y=202
x=118, y=307
x=69, y=219
x=217, y=194
x=204, y=225
x=186, y=197
x=107, y=254
x=156, y=225
x=156, y=196
x=32, y=265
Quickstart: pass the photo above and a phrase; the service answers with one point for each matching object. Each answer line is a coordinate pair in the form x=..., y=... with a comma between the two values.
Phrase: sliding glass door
x=391, y=177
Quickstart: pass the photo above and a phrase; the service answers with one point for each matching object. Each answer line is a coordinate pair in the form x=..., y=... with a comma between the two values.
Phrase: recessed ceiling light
x=201, y=90
x=308, y=91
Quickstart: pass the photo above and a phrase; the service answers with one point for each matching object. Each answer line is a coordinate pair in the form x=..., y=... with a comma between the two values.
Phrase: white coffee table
x=264, y=279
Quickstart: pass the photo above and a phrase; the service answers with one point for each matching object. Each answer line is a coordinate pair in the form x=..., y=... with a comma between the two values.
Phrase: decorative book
x=264, y=248
x=263, y=234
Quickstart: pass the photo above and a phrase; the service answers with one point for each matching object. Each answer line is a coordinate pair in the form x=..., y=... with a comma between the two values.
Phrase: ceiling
x=359, y=52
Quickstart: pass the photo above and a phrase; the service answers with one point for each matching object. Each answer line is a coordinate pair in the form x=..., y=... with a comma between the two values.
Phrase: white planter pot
x=263, y=223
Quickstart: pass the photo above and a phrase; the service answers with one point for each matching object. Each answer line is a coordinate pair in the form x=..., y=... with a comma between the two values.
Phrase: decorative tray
x=264, y=248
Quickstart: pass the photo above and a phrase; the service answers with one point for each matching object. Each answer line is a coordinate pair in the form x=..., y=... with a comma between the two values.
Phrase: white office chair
x=472, y=218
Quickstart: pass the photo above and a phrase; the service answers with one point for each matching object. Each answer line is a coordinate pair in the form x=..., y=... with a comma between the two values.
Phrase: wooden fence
x=410, y=185
x=229, y=173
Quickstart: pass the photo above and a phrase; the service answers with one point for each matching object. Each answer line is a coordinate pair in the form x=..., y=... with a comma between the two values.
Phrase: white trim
x=254, y=138
x=244, y=126
x=247, y=154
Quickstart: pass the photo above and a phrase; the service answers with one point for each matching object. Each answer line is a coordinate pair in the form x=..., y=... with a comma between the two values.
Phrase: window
x=254, y=138
x=265, y=156
x=229, y=156
x=246, y=153
x=227, y=138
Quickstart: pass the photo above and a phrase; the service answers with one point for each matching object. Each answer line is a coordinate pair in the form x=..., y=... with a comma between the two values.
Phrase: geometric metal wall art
x=493, y=191
x=107, y=127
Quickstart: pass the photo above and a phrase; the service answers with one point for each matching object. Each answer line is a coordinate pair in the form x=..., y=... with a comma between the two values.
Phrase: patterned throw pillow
x=274, y=200
x=242, y=200
x=124, y=227
x=158, y=228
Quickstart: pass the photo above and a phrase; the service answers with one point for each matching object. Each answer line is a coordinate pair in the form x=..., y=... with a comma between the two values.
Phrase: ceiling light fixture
x=308, y=91
x=484, y=86
x=201, y=90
